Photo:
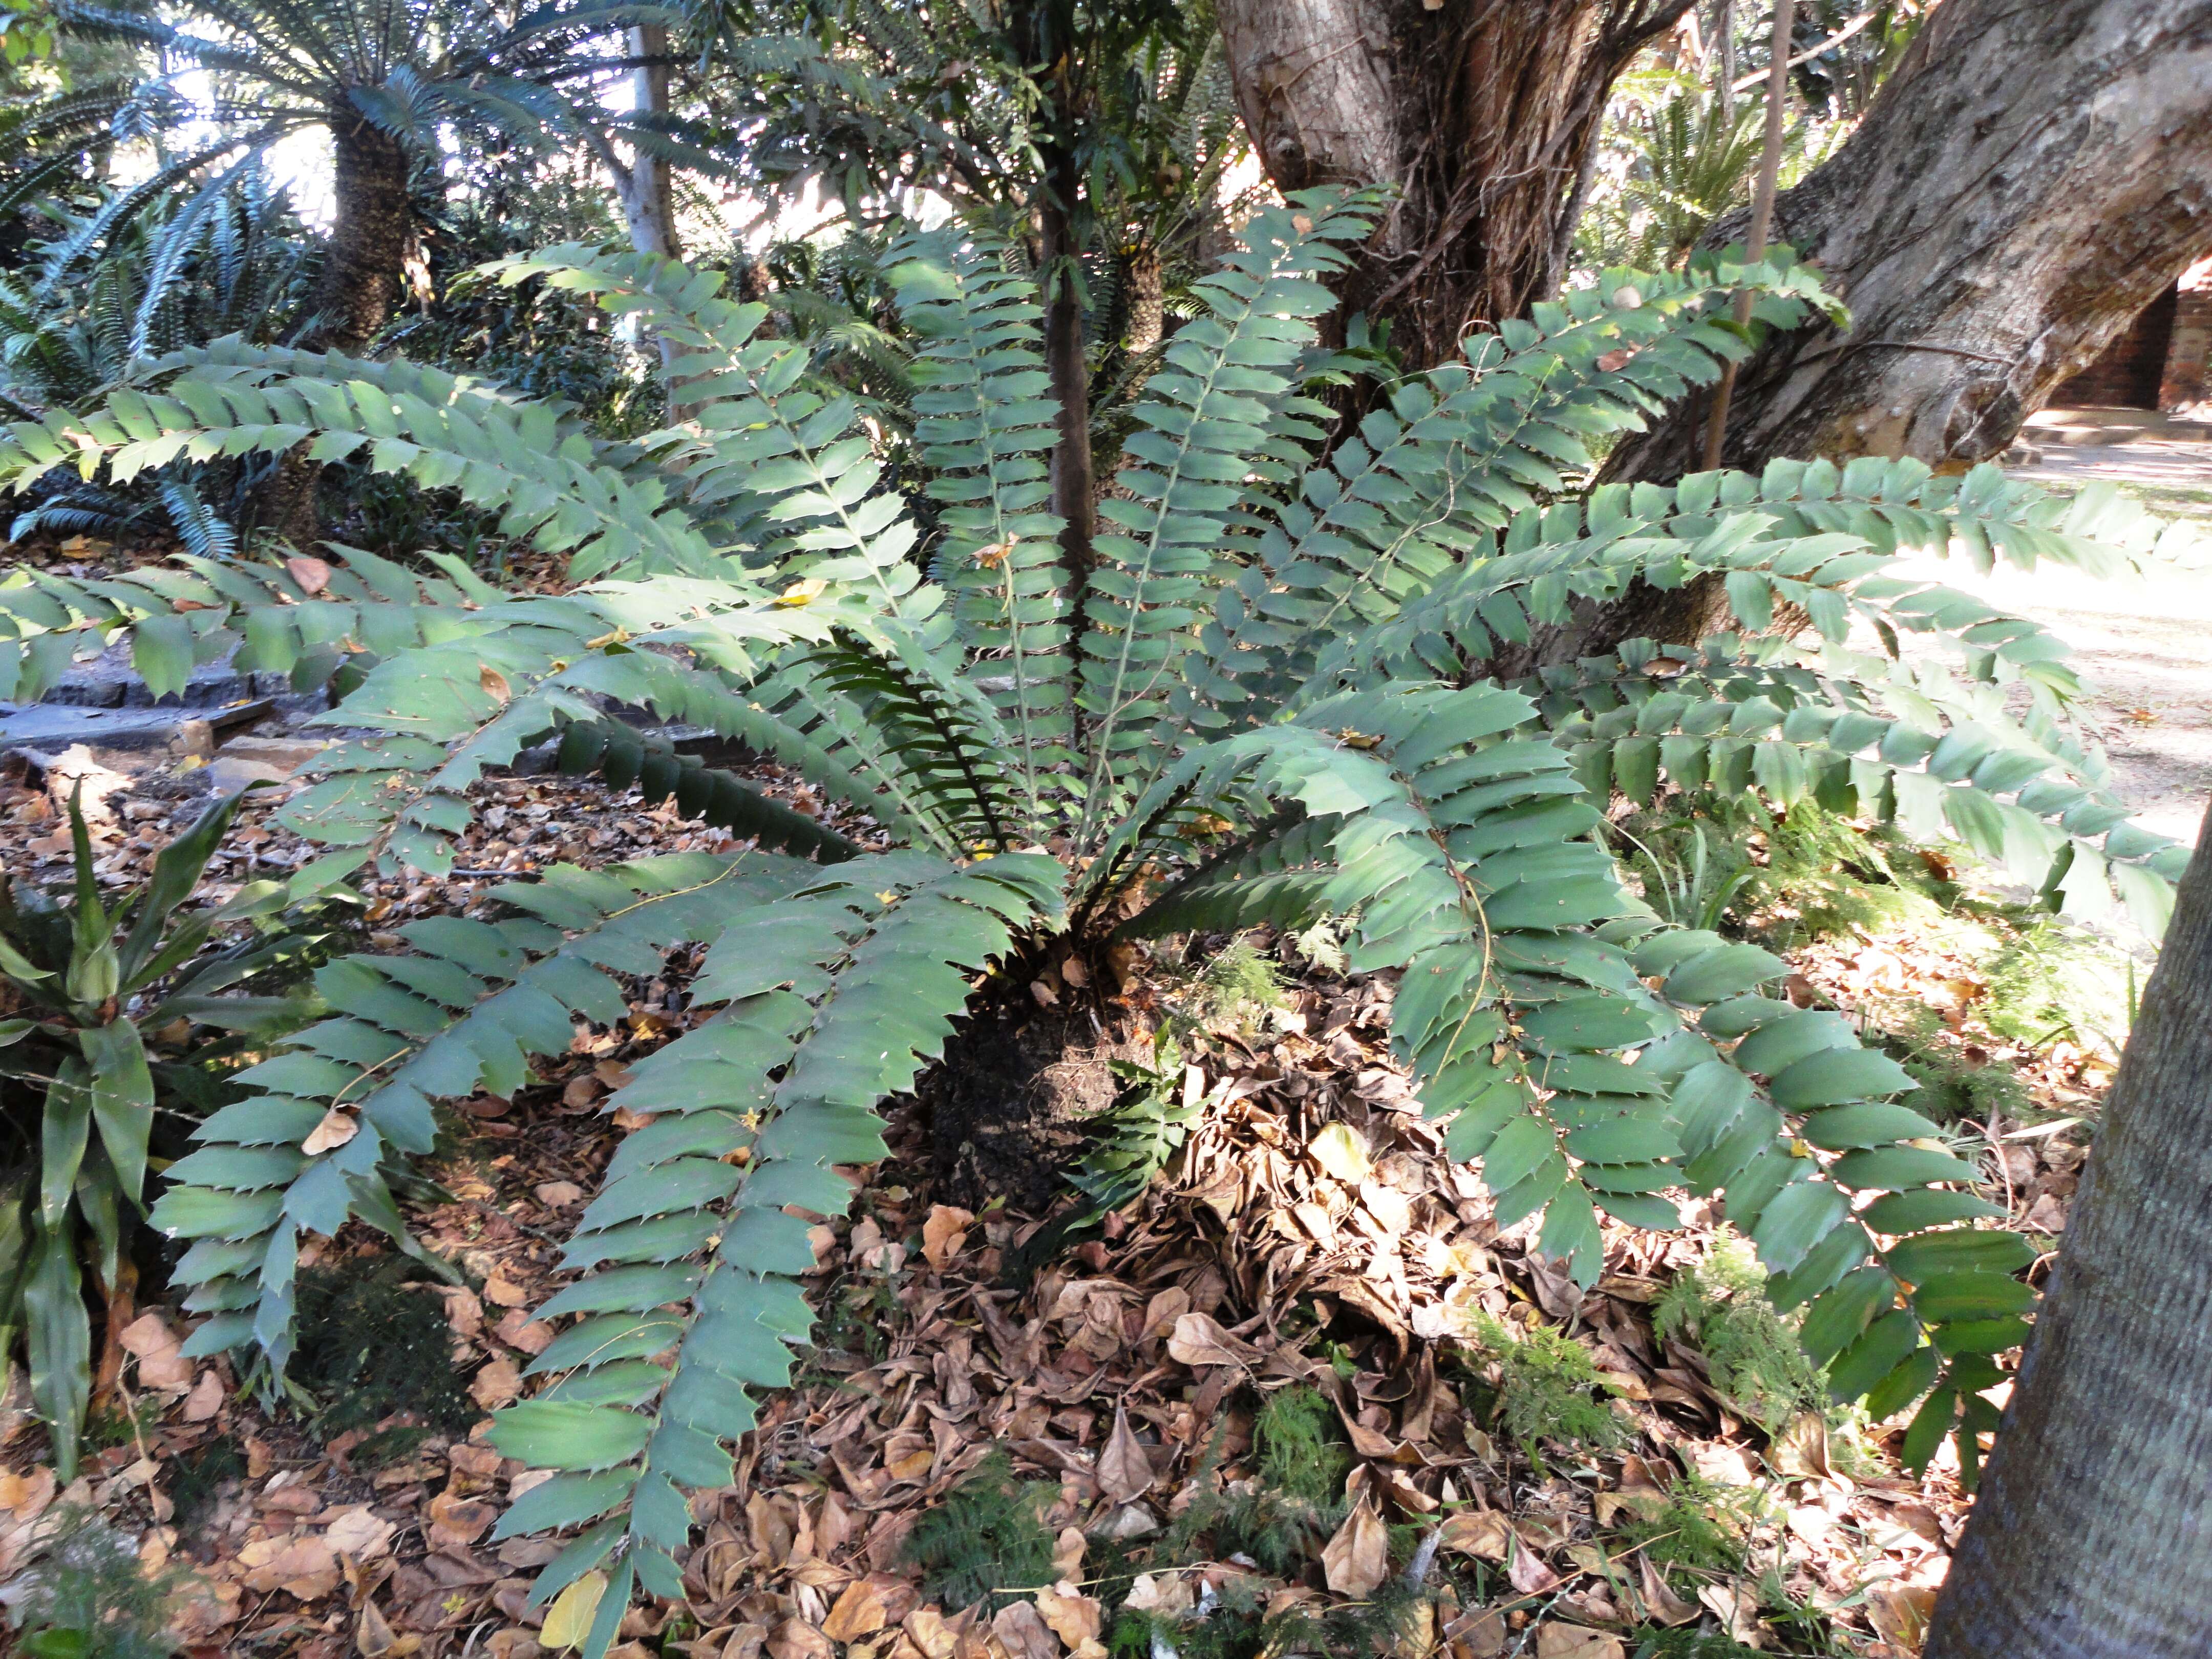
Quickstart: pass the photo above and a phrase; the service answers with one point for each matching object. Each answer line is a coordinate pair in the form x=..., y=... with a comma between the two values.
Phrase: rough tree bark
x=364, y=267
x=1481, y=111
x=2029, y=179
x=2091, y=1537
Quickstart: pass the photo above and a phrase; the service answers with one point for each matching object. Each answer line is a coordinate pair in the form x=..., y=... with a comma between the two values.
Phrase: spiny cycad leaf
x=464, y=1014
x=834, y=996
x=1203, y=414
x=983, y=422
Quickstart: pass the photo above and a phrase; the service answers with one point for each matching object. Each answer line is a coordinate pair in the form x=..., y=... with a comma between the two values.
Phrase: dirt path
x=2146, y=646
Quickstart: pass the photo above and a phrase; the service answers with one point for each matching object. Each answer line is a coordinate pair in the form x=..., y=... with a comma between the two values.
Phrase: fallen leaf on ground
x=159, y=1351
x=1358, y=1559
x=456, y=1523
x=1340, y=1149
x=1074, y=1617
x=1199, y=1340
x=306, y=1567
x=359, y=1532
x=1558, y=1641
x=943, y=1234
x=1125, y=1473
x=1659, y=1597
x=205, y=1400
x=1022, y=1630
x=859, y=1612
x=496, y=1384
x=1480, y=1532
x=568, y=1620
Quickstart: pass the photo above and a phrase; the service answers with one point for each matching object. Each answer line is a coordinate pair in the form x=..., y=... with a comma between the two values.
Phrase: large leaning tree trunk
x=2026, y=181
x=1481, y=111
x=2091, y=1537
x=364, y=267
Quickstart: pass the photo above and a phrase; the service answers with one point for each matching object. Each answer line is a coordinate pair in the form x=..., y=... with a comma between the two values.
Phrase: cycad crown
x=1265, y=690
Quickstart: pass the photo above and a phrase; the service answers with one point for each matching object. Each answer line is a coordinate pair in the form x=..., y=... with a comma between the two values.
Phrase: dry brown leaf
x=1024, y=1632
x=1481, y=1533
x=1659, y=1598
x=1163, y=1593
x=1736, y=1606
x=794, y=1638
x=859, y=1612
x=373, y=1638
x=1074, y=1617
x=1899, y=1612
x=1068, y=1552
x=1528, y=1572
x=558, y=1195
x=206, y=1399
x=160, y=1354
x=456, y=1521
x=926, y=1629
x=1358, y=1559
x=359, y=1532
x=1558, y=1641
x=504, y=1292
x=1342, y=1150
x=1198, y=1339
x=1801, y=1451
x=306, y=1567
x=496, y=1384
x=312, y=574
x=495, y=682
x=337, y=1127
x=1478, y=1633
x=1125, y=1473
x=1722, y=1464
x=944, y=1232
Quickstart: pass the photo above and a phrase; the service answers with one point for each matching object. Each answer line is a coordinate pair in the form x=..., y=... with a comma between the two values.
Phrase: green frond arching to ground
x=1284, y=691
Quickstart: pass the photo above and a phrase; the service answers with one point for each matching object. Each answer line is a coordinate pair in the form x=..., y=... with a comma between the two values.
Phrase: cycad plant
x=67, y=333
x=1261, y=695
x=380, y=79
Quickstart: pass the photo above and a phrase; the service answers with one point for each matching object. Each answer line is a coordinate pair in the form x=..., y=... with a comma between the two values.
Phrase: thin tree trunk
x=1071, y=484
x=2028, y=179
x=2092, y=1536
x=358, y=289
x=648, y=200
x=1480, y=110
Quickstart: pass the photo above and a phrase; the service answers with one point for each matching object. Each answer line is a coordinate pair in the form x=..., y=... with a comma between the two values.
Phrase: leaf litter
x=1310, y=1241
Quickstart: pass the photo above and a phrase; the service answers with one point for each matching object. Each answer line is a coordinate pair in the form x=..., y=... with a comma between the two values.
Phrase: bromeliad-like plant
x=86, y=980
x=1263, y=693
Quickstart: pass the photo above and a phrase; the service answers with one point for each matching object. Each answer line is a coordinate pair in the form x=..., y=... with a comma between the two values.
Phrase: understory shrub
x=1281, y=684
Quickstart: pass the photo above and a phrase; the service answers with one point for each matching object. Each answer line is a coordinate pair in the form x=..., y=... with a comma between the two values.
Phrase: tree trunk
x=2028, y=179
x=2091, y=1537
x=648, y=201
x=1071, y=490
x=363, y=267
x=1480, y=112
